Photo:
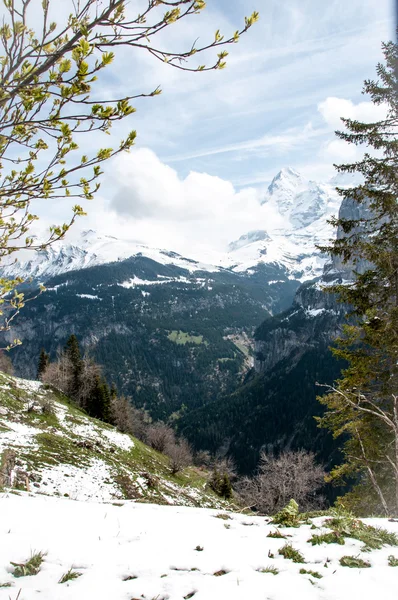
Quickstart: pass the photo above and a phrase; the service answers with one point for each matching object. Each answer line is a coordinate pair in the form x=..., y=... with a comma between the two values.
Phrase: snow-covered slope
x=300, y=210
x=48, y=446
x=127, y=551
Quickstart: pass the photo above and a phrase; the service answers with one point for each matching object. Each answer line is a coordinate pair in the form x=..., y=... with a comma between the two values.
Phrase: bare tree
x=59, y=373
x=180, y=455
x=160, y=436
x=290, y=475
x=6, y=365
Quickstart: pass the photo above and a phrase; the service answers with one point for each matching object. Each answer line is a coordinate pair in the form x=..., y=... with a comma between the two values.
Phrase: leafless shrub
x=160, y=436
x=180, y=455
x=129, y=419
x=122, y=414
x=202, y=458
x=6, y=365
x=225, y=466
x=290, y=475
x=59, y=373
x=89, y=375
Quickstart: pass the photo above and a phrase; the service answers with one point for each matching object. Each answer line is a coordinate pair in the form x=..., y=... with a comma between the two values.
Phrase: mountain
x=48, y=446
x=274, y=407
x=176, y=334
x=295, y=221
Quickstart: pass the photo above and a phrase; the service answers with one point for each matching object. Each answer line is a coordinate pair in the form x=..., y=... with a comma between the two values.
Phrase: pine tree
x=72, y=352
x=363, y=403
x=99, y=402
x=44, y=360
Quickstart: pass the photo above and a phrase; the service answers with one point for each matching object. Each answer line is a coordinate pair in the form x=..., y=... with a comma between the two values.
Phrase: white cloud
x=200, y=212
x=333, y=109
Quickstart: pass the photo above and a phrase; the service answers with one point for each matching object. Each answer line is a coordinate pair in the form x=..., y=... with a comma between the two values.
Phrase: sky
x=211, y=142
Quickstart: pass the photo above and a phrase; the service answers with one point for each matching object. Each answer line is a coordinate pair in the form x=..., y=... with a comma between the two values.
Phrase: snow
x=80, y=484
x=315, y=312
x=126, y=551
x=302, y=206
x=88, y=296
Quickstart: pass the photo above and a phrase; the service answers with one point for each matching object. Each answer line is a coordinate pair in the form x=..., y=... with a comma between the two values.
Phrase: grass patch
x=334, y=537
x=353, y=562
x=220, y=573
x=55, y=449
x=181, y=338
x=69, y=576
x=5, y=585
x=223, y=517
x=287, y=551
x=277, y=535
x=312, y=573
x=392, y=561
x=373, y=538
x=31, y=567
x=288, y=516
x=269, y=569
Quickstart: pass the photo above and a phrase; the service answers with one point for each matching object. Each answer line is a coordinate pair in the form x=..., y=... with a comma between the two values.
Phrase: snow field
x=127, y=551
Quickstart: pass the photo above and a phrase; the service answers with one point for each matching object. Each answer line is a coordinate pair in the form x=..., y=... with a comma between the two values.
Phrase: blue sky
x=210, y=143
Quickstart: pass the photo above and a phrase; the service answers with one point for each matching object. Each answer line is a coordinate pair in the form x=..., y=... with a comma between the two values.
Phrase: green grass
x=276, y=535
x=30, y=567
x=289, y=516
x=287, y=551
x=57, y=445
x=69, y=576
x=181, y=338
x=327, y=538
x=392, y=561
x=269, y=569
x=353, y=562
x=312, y=573
x=373, y=538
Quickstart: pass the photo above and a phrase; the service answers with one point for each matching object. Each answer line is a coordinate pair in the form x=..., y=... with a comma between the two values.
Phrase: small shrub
x=354, y=562
x=287, y=551
x=276, y=535
x=392, y=561
x=31, y=567
x=312, y=573
x=199, y=548
x=327, y=538
x=288, y=516
x=69, y=576
x=269, y=569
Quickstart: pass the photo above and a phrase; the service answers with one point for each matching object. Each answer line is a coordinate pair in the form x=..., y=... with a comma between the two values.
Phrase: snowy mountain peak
x=283, y=189
x=249, y=238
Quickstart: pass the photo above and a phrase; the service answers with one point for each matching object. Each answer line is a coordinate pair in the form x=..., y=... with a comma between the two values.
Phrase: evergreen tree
x=44, y=360
x=363, y=403
x=99, y=402
x=72, y=352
